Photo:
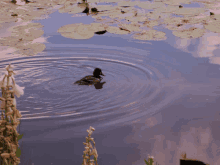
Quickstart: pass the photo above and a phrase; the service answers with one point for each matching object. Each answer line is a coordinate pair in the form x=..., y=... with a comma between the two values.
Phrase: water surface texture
x=157, y=97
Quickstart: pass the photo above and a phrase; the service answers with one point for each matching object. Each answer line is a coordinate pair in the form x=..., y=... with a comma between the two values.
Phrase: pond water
x=159, y=98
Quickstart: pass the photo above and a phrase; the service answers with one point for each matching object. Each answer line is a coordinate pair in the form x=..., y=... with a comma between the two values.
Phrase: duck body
x=91, y=79
x=88, y=80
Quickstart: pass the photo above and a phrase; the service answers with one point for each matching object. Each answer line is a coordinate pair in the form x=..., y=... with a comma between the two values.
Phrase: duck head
x=97, y=72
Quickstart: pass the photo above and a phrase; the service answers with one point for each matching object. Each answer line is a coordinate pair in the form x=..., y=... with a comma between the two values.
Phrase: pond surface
x=157, y=97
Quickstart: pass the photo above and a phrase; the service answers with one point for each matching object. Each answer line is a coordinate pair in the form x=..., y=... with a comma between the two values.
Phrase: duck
x=91, y=79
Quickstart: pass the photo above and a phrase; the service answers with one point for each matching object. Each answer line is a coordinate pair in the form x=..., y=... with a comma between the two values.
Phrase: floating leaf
x=130, y=27
x=149, y=5
x=71, y=9
x=127, y=3
x=98, y=27
x=154, y=15
x=151, y=23
x=192, y=32
x=176, y=2
x=81, y=31
x=116, y=30
x=14, y=15
x=30, y=48
x=150, y=35
x=166, y=9
x=213, y=26
x=189, y=11
x=105, y=7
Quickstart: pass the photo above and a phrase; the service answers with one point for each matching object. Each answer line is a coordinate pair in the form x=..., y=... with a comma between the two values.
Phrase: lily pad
x=110, y=13
x=98, y=27
x=150, y=23
x=9, y=41
x=192, y=32
x=7, y=18
x=176, y=2
x=106, y=21
x=167, y=9
x=149, y=5
x=154, y=15
x=104, y=7
x=215, y=17
x=189, y=11
x=21, y=38
x=213, y=26
x=116, y=30
x=130, y=27
x=72, y=9
x=28, y=32
x=109, y=1
x=30, y=48
x=150, y=35
x=81, y=31
x=67, y=28
x=136, y=19
x=127, y=3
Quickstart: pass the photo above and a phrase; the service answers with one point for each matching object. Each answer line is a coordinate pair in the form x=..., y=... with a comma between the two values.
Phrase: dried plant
x=183, y=155
x=89, y=150
x=9, y=119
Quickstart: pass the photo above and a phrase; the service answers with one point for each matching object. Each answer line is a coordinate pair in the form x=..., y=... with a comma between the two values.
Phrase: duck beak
x=102, y=74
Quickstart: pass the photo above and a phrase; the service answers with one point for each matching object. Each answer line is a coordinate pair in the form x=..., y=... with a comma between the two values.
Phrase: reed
x=9, y=119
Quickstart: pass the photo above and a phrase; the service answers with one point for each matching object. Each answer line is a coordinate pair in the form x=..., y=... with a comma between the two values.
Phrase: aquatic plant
x=14, y=15
x=150, y=160
x=89, y=149
x=9, y=136
x=13, y=1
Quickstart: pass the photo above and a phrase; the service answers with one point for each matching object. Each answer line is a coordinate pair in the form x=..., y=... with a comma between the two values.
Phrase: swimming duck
x=92, y=79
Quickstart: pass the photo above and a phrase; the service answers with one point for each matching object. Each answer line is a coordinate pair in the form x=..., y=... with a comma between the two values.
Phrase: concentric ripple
x=130, y=86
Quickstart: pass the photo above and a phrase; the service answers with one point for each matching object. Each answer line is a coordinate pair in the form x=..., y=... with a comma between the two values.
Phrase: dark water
x=156, y=100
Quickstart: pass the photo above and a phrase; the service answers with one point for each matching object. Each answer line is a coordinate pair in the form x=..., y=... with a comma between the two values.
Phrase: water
x=156, y=99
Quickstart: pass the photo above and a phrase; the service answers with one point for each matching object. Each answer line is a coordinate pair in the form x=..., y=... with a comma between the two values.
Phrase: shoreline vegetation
x=9, y=147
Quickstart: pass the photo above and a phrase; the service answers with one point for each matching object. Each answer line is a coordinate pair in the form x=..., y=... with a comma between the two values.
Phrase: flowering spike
x=89, y=149
x=9, y=119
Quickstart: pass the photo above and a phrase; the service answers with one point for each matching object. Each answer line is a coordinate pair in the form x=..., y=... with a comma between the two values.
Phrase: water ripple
x=131, y=83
